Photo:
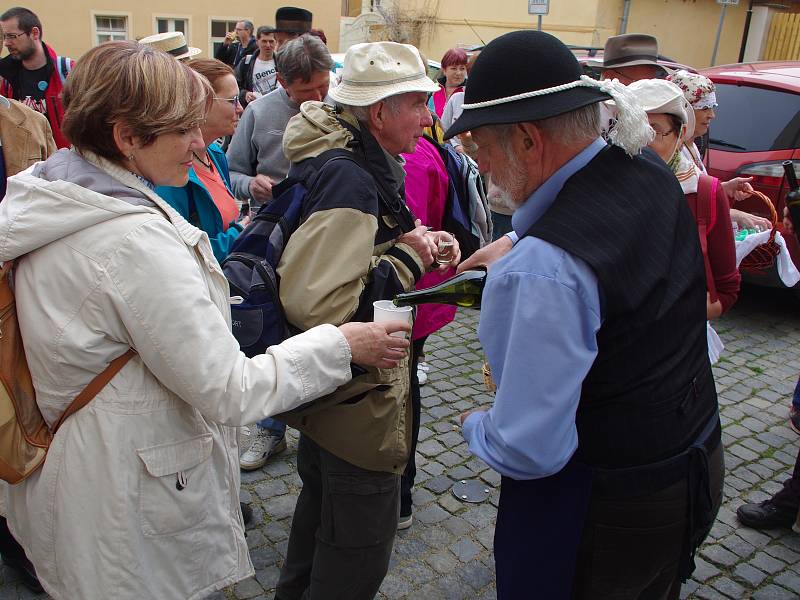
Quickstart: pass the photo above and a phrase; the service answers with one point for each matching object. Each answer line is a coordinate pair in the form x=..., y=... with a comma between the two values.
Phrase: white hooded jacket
x=139, y=495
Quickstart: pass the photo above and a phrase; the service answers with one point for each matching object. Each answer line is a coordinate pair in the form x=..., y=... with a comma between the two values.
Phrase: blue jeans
x=796, y=397
x=275, y=427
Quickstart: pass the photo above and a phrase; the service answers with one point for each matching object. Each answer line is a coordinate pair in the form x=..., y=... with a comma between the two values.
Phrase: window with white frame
x=165, y=24
x=218, y=30
x=110, y=28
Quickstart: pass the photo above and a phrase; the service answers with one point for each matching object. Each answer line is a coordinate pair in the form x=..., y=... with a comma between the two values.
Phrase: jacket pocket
x=173, y=485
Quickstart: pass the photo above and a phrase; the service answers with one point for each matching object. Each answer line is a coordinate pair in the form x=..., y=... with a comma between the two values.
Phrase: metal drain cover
x=471, y=490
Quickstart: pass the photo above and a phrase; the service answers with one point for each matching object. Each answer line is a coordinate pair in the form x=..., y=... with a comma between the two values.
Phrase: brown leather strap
x=95, y=385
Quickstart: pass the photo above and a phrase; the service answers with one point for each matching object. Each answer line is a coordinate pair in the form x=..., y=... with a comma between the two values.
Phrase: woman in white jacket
x=139, y=495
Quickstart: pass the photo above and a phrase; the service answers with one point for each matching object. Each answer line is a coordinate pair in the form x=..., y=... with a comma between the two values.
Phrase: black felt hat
x=513, y=78
x=289, y=19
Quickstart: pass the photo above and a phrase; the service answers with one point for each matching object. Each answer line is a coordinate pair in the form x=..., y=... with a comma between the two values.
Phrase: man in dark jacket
x=605, y=426
x=238, y=44
x=32, y=72
x=257, y=74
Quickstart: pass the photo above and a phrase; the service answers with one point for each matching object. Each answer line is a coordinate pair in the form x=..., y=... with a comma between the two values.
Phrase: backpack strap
x=705, y=217
x=95, y=385
x=392, y=201
x=64, y=67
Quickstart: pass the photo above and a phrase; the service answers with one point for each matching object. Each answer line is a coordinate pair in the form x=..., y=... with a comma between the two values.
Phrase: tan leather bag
x=24, y=434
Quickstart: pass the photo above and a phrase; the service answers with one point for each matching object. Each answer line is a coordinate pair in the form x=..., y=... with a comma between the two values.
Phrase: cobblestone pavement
x=447, y=553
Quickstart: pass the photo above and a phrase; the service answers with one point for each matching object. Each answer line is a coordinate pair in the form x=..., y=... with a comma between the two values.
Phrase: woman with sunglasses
x=207, y=201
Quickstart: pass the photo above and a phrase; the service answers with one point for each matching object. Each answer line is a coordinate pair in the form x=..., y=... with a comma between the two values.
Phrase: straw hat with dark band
x=171, y=42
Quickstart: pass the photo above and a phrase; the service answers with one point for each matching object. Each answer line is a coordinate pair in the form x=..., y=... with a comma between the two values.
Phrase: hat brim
x=530, y=109
x=629, y=63
x=190, y=54
x=353, y=94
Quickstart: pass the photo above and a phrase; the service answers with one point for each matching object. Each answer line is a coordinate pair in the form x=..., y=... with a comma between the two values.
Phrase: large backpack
x=24, y=434
x=257, y=316
x=466, y=213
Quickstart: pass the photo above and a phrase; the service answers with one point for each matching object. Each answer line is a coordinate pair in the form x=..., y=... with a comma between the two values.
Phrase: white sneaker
x=422, y=376
x=424, y=366
x=265, y=444
x=245, y=437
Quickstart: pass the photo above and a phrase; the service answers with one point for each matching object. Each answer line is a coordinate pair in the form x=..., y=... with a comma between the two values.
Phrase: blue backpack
x=466, y=213
x=257, y=316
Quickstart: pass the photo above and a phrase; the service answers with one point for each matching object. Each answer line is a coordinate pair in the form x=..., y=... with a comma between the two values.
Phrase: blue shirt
x=539, y=319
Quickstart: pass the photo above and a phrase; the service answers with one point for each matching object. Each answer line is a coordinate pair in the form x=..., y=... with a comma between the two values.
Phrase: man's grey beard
x=512, y=180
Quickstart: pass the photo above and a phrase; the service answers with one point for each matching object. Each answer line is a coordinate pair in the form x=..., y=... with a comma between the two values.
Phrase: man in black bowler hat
x=291, y=22
x=605, y=425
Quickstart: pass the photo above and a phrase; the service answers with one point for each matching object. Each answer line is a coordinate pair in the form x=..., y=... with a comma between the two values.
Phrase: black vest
x=650, y=390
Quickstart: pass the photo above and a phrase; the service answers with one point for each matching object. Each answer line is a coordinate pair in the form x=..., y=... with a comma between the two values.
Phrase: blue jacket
x=208, y=217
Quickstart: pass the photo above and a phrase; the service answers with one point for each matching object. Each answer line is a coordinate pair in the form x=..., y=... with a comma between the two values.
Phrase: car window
x=751, y=119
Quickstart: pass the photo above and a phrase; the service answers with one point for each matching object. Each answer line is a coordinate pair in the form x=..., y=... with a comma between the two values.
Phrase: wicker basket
x=763, y=257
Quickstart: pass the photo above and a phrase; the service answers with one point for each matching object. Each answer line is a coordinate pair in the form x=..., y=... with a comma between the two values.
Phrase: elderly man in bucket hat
x=357, y=244
x=605, y=425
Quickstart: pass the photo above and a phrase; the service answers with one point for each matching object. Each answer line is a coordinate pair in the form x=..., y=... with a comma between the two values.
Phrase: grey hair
x=575, y=127
x=248, y=25
x=361, y=113
x=301, y=57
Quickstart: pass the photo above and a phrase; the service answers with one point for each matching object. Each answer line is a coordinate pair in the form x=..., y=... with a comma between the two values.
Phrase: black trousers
x=629, y=548
x=343, y=529
x=407, y=479
x=789, y=496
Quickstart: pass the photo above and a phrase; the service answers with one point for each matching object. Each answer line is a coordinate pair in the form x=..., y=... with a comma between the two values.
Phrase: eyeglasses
x=13, y=36
x=664, y=134
x=232, y=101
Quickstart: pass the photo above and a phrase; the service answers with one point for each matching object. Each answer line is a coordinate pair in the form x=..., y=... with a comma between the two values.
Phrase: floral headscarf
x=697, y=89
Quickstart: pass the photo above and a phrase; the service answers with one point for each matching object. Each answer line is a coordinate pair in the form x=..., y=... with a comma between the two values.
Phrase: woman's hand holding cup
x=373, y=345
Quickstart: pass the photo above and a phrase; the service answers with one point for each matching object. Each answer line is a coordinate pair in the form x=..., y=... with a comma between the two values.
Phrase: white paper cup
x=385, y=310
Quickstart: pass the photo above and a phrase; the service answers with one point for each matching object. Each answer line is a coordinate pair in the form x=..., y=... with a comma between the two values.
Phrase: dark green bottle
x=462, y=290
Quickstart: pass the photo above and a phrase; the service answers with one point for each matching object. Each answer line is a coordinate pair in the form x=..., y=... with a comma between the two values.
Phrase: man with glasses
x=32, y=72
x=237, y=44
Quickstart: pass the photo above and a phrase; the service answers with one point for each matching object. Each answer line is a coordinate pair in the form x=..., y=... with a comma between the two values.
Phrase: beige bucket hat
x=376, y=70
x=171, y=42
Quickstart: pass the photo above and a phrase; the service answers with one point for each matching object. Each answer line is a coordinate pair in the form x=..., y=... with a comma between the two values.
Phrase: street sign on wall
x=729, y=2
x=538, y=7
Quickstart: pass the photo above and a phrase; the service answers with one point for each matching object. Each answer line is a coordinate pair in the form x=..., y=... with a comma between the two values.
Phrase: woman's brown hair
x=145, y=89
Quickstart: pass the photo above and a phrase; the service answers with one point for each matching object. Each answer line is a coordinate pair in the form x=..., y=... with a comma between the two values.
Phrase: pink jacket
x=426, y=195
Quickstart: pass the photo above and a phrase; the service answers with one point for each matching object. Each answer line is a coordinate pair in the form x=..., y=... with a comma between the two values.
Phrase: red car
x=757, y=127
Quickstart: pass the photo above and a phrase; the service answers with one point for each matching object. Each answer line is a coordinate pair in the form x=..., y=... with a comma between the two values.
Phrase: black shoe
x=766, y=515
x=794, y=419
x=26, y=572
x=247, y=514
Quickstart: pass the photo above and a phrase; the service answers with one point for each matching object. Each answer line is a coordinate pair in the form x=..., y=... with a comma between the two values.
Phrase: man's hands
x=261, y=188
x=250, y=96
x=426, y=244
x=372, y=345
x=487, y=255
x=787, y=220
